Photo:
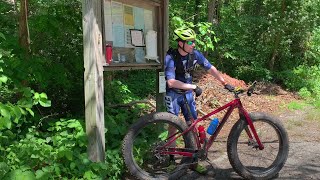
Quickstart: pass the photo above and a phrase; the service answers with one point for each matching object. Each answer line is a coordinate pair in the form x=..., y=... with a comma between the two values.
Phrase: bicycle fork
x=252, y=131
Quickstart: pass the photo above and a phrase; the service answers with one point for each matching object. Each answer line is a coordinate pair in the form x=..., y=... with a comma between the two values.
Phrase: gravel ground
x=304, y=152
x=303, y=163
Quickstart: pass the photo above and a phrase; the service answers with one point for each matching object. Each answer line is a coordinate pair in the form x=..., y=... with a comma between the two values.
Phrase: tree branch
x=133, y=103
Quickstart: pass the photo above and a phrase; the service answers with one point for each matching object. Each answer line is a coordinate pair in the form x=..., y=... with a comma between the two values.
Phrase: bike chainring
x=156, y=150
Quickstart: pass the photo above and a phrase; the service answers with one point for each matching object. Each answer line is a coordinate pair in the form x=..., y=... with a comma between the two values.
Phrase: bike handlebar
x=249, y=90
x=236, y=91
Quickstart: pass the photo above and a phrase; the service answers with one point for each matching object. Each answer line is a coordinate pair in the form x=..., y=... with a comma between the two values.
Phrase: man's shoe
x=172, y=166
x=200, y=169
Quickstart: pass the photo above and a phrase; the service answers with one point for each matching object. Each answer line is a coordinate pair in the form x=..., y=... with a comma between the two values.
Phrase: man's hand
x=229, y=87
x=198, y=91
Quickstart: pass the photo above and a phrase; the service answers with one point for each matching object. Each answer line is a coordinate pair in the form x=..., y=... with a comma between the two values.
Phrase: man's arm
x=173, y=83
x=215, y=73
x=209, y=67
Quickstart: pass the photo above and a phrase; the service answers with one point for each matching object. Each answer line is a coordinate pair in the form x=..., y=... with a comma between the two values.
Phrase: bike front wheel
x=244, y=155
x=143, y=151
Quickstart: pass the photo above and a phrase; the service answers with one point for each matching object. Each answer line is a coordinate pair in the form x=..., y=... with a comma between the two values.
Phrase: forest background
x=42, y=133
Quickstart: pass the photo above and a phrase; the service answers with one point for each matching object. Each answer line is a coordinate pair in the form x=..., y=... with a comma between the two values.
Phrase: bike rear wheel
x=247, y=159
x=141, y=147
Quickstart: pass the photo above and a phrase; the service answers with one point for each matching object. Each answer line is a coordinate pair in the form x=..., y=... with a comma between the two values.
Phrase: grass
x=313, y=115
x=294, y=105
x=302, y=113
x=295, y=122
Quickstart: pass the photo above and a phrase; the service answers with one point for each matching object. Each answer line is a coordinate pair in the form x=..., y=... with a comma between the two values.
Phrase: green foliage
x=117, y=124
x=123, y=89
x=304, y=92
x=59, y=152
x=47, y=148
x=262, y=39
x=55, y=65
x=316, y=103
x=189, y=10
x=118, y=92
x=305, y=79
x=23, y=173
x=17, y=112
x=115, y=163
x=135, y=79
x=4, y=169
x=17, y=101
x=312, y=55
x=127, y=87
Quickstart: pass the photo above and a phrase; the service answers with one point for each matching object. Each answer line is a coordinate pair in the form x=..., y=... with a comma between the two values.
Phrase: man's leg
x=192, y=106
x=193, y=110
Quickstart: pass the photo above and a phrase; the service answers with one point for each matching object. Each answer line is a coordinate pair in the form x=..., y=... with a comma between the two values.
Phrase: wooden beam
x=163, y=41
x=140, y=3
x=93, y=78
x=125, y=68
x=131, y=66
x=165, y=26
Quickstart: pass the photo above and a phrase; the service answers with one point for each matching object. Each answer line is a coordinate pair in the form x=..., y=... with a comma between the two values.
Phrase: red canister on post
x=108, y=53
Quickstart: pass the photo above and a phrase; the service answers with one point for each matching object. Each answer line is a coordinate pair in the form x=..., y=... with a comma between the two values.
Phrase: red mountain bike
x=257, y=145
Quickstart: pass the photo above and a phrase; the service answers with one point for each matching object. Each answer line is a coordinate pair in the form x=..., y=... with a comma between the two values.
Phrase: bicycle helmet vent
x=184, y=33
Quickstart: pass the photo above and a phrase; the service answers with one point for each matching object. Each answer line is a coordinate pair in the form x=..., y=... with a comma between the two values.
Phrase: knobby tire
x=146, y=168
x=250, y=162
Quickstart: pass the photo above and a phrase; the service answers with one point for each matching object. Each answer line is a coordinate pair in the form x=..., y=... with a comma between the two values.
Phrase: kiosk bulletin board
x=127, y=25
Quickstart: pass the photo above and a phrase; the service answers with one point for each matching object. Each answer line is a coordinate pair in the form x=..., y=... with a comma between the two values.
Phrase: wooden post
x=164, y=44
x=93, y=78
x=165, y=26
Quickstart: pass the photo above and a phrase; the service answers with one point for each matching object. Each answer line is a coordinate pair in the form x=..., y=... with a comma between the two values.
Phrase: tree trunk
x=24, y=37
x=277, y=40
x=213, y=18
x=212, y=11
x=274, y=53
x=196, y=11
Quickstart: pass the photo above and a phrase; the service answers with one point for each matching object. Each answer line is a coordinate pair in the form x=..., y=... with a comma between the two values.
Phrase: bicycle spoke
x=150, y=155
x=245, y=156
x=250, y=155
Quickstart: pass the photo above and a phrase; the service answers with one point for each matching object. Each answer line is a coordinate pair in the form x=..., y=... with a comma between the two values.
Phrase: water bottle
x=202, y=134
x=108, y=54
x=213, y=126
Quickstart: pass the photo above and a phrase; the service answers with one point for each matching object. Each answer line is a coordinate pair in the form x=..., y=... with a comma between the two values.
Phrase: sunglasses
x=190, y=42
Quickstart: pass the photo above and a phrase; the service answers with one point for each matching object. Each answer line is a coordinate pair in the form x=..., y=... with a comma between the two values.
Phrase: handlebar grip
x=251, y=88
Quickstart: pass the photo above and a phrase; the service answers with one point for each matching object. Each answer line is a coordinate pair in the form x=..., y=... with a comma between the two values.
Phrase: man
x=179, y=67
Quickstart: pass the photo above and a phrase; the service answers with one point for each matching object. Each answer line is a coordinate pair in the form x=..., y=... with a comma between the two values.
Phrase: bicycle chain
x=198, y=154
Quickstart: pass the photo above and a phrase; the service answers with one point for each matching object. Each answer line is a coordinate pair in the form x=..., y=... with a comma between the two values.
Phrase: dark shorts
x=174, y=102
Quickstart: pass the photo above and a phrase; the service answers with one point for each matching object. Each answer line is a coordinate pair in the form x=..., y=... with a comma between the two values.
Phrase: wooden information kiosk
x=119, y=35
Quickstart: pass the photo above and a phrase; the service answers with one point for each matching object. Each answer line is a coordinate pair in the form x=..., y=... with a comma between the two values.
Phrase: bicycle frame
x=236, y=103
